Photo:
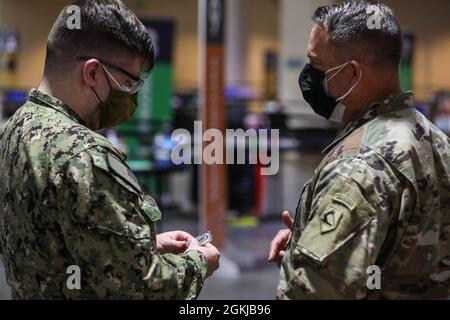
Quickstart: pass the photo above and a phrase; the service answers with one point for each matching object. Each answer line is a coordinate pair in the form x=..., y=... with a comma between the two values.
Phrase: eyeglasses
x=130, y=87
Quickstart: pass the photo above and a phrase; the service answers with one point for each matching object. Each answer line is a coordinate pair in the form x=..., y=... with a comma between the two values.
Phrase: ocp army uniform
x=67, y=198
x=380, y=197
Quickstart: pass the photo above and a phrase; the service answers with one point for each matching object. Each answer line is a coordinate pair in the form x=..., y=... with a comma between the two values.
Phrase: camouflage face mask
x=118, y=108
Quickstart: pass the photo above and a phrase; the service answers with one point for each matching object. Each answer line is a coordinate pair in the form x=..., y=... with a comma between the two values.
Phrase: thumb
x=287, y=220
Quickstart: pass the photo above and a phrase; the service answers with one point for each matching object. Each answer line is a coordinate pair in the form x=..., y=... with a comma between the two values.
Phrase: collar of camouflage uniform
x=46, y=100
x=392, y=103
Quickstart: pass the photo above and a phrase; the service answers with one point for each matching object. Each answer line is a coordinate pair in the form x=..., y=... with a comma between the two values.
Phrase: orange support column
x=214, y=181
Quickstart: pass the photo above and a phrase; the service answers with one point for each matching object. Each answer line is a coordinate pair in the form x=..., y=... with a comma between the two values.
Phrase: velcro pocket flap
x=151, y=209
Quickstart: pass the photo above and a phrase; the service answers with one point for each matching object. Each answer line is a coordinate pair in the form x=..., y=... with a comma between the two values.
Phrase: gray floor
x=251, y=285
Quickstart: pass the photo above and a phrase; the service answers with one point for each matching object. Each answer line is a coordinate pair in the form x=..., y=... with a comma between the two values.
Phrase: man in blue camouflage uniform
x=67, y=196
x=378, y=203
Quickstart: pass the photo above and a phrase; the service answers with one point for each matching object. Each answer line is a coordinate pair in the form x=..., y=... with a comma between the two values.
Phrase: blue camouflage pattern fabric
x=380, y=197
x=67, y=198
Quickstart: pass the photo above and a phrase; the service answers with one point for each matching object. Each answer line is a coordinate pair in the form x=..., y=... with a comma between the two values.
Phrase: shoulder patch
x=123, y=171
x=330, y=218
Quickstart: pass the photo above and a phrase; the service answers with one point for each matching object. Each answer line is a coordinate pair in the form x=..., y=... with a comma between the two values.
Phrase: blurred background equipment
x=10, y=101
x=439, y=110
x=9, y=48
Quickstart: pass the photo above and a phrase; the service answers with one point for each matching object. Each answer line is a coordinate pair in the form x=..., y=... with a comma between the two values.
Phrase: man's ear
x=357, y=71
x=90, y=72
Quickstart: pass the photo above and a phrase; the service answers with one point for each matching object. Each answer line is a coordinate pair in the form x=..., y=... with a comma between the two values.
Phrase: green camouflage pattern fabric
x=380, y=197
x=68, y=198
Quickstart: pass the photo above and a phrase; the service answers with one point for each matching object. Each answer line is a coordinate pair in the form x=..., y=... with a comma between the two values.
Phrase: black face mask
x=311, y=85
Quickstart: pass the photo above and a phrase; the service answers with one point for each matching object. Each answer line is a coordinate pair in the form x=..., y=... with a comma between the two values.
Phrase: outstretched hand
x=279, y=242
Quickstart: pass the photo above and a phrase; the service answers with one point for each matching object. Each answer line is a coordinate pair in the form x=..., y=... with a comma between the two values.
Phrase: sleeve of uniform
x=352, y=211
x=109, y=229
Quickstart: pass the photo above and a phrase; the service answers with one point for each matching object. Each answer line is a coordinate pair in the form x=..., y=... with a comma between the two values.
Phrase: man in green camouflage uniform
x=378, y=203
x=67, y=196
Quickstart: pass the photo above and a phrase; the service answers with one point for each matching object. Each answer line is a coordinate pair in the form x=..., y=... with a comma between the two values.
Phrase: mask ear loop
x=339, y=69
x=109, y=82
x=95, y=95
x=351, y=89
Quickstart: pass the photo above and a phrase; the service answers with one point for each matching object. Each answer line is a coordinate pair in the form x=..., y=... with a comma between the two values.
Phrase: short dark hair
x=348, y=28
x=108, y=28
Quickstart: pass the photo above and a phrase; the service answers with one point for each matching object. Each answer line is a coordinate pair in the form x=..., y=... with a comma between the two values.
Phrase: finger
x=174, y=244
x=210, y=246
x=287, y=220
x=192, y=242
x=272, y=253
x=279, y=258
x=216, y=251
x=217, y=266
x=272, y=258
x=180, y=236
x=274, y=248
